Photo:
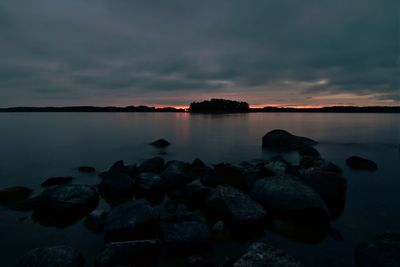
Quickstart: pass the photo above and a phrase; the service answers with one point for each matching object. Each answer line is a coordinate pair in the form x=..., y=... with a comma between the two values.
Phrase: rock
x=177, y=175
x=117, y=168
x=185, y=237
x=14, y=194
x=198, y=165
x=175, y=212
x=130, y=253
x=160, y=143
x=331, y=187
x=359, y=163
x=225, y=173
x=95, y=220
x=276, y=166
x=149, y=186
x=154, y=165
x=87, y=169
x=319, y=164
x=61, y=205
x=308, y=151
x=281, y=139
x=198, y=261
x=196, y=194
x=58, y=256
x=117, y=188
x=382, y=251
x=263, y=255
x=132, y=220
x=234, y=207
x=57, y=181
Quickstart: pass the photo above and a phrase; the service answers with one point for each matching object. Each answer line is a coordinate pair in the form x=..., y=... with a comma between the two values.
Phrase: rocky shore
x=180, y=209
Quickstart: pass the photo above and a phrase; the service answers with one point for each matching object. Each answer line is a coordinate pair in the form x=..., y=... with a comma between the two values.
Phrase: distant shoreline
x=335, y=109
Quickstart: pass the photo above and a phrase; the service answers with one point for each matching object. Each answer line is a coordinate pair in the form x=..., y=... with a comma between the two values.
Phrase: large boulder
x=234, y=207
x=135, y=219
x=196, y=194
x=154, y=165
x=116, y=188
x=149, y=186
x=359, y=163
x=58, y=256
x=382, y=251
x=14, y=194
x=330, y=186
x=95, y=220
x=225, y=173
x=177, y=212
x=57, y=181
x=263, y=255
x=320, y=164
x=130, y=253
x=185, y=237
x=177, y=174
x=61, y=205
x=281, y=139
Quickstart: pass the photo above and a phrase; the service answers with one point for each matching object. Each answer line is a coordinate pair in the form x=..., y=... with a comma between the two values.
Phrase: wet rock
x=198, y=165
x=383, y=251
x=198, y=261
x=276, y=166
x=177, y=175
x=331, y=187
x=14, y=194
x=185, y=237
x=359, y=163
x=196, y=194
x=176, y=212
x=281, y=139
x=319, y=164
x=160, y=143
x=234, y=207
x=95, y=220
x=149, y=186
x=116, y=188
x=154, y=165
x=308, y=151
x=130, y=253
x=262, y=255
x=61, y=205
x=57, y=181
x=132, y=220
x=87, y=169
x=225, y=173
x=58, y=256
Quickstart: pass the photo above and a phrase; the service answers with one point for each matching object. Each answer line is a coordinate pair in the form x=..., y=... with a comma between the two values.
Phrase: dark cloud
x=172, y=52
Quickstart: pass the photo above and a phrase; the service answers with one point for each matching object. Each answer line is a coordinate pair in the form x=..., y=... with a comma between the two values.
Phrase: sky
x=171, y=53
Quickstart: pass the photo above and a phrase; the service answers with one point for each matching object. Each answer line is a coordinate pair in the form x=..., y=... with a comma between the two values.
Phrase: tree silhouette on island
x=219, y=106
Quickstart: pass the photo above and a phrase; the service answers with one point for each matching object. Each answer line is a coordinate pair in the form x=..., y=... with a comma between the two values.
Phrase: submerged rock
x=383, y=251
x=58, y=256
x=359, y=163
x=57, y=181
x=135, y=219
x=14, y=194
x=87, y=169
x=185, y=237
x=160, y=143
x=281, y=139
x=95, y=220
x=263, y=255
x=61, y=205
x=130, y=253
x=234, y=207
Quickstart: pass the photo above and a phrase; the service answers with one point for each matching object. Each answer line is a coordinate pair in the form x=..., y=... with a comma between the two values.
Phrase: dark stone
x=359, y=163
x=319, y=164
x=116, y=188
x=117, y=168
x=331, y=187
x=263, y=255
x=132, y=220
x=176, y=212
x=225, y=173
x=308, y=151
x=87, y=169
x=198, y=261
x=234, y=207
x=95, y=220
x=281, y=139
x=149, y=186
x=155, y=165
x=130, y=253
x=198, y=165
x=185, y=237
x=160, y=143
x=61, y=205
x=14, y=194
x=57, y=181
x=177, y=175
x=59, y=256
x=196, y=194
x=382, y=251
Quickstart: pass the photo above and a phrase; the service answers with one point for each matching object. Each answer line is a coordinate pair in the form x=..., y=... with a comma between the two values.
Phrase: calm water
x=35, y=146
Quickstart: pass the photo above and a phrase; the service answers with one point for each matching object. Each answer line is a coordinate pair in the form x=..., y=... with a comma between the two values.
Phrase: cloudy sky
x=169, y=53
